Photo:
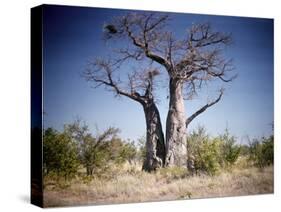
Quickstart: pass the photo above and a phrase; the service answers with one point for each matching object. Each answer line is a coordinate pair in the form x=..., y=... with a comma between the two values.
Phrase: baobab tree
x=190, y=62
x=139, y=89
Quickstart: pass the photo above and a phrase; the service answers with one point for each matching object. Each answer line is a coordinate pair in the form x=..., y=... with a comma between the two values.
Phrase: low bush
x=210, y=154
x=75, y=147
x=205, y=151
x=261, y=152
x=230, y=151
x=60, y=154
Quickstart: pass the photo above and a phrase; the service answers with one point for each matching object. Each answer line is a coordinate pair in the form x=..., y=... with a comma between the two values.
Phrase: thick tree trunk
x=176, y=127
x=155, y=143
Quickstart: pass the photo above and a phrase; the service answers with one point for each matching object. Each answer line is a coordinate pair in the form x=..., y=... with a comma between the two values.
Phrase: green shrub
x=205, y=151
x=230, y=151
x=268, y=150
x=60, y=154
x=128, y=152
x=211, y=154
x=94, y=151
x=65, y=151
x=261, y=152
x=122, y=151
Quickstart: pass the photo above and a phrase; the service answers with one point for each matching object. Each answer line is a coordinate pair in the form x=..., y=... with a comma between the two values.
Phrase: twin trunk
x=174, y=153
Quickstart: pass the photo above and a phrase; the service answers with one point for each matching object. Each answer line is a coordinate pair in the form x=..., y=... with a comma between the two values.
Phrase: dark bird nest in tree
x=111, y=29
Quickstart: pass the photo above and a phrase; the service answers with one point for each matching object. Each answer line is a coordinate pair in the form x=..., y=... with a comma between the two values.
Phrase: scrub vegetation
x=85, y=168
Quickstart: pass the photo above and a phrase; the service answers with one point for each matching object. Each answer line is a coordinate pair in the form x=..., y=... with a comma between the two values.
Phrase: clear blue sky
x=73, y=35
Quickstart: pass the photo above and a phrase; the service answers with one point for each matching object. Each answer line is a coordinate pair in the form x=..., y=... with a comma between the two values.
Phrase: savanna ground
x=81, y=168
x=127, y=183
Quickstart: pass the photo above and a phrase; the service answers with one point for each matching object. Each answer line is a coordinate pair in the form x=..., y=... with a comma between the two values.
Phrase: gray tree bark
x=176, y=127
x=155, y=144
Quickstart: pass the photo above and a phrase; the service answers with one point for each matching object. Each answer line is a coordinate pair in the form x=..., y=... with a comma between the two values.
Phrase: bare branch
x=143, y=30
x=203, y=59
x=220, y=69
x=201, y=35
x=139, y=83
x=101, y=72
x=126, y=54
x=202, y=109
x=153, y=24
x=193, y=61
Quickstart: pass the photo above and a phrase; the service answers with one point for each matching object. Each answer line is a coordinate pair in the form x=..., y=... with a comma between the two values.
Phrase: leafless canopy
x=195, y=59
x=138, y=86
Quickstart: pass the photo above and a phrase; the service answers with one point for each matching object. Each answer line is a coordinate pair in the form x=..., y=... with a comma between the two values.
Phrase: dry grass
x=130, y=184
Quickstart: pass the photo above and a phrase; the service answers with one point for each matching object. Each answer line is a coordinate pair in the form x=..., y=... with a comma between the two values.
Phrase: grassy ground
x=130, y=184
